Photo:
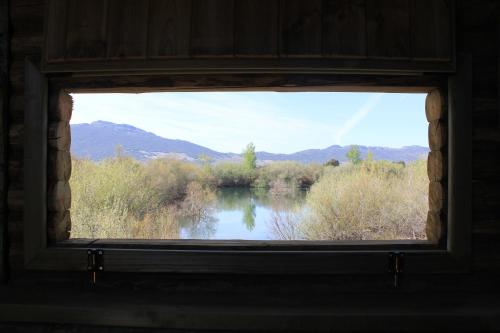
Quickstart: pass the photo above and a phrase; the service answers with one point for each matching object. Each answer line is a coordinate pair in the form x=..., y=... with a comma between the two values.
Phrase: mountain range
x=100, y=139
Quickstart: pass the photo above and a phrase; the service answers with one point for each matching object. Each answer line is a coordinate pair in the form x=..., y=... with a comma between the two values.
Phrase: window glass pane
x=249, y=165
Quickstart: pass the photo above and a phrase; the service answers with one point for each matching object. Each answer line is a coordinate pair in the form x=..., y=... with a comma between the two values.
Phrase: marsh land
x=165, y=198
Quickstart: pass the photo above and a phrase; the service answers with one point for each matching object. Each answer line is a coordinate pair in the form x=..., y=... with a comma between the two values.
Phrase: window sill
x=346, y=259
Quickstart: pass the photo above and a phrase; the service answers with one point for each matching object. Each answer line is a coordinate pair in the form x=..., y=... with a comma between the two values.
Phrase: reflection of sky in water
x=239, y=214
x=231, y=224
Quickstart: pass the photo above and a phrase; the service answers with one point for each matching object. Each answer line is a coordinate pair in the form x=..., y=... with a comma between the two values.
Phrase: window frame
x=255, y=257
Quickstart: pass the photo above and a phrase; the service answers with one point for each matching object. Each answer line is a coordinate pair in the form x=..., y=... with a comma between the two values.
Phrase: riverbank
x=170, y=199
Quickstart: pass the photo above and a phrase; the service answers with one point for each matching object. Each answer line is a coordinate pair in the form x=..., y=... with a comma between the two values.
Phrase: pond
x=246, y=213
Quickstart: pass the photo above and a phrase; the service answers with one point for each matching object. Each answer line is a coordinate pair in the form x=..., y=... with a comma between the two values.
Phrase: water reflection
x=243, y=213
x=249, y=215
x=204, y=227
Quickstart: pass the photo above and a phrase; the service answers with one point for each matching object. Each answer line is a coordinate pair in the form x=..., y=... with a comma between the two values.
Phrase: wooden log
x=280, y=82
x=436, y=166
x=61, y=106
x=434, y=106
x=436, y=196
x=59, y=196
x=433, y=226
x=59, y=135
x=58, y=226
x=437, y=135
x=59, y=165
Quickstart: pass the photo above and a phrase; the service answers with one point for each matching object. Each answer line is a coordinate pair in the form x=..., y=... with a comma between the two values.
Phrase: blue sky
x=274, y=121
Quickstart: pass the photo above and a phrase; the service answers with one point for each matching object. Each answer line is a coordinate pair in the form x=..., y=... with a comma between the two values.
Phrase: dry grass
x=124, y=198
x=374, y=200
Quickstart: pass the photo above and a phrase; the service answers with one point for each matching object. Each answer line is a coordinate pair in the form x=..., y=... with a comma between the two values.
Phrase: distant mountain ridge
x=99, y=139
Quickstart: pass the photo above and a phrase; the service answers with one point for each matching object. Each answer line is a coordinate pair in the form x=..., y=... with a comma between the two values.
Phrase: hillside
x=100, y=139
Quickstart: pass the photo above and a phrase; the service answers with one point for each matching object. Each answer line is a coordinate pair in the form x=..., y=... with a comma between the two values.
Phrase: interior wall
x=4, y=89
x=383, y=34
x=467, y=301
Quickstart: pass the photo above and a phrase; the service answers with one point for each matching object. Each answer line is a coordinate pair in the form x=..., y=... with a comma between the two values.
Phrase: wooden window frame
x=260, y=257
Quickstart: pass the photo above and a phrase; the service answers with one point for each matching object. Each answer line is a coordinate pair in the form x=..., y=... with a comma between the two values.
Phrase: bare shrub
x=169, y=179
x=124, y=198
x=374, y=200
x=161, y=224
x=279, y=188
x=294, y=174
x=198, y=202
x=285, y=225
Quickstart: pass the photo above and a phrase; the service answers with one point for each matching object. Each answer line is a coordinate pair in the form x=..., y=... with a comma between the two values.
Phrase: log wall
x=462, y=301
x=436, y=113
x=59, y=166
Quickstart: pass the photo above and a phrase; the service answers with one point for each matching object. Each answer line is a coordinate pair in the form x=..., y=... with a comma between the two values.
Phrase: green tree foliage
x=249, y=215
x=369, y=156
x=249, y=157
x=354, y=155
x=229, y=174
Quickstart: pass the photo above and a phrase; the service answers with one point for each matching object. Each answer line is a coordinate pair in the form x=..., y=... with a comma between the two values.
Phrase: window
x=249, y=166
x=444, y=251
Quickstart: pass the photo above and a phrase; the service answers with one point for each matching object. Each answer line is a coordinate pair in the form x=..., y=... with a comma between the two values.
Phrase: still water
x=243, y=213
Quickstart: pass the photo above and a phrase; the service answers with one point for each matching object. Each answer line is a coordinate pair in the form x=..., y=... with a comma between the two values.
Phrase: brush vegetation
x=120, y=197
x=369, y=200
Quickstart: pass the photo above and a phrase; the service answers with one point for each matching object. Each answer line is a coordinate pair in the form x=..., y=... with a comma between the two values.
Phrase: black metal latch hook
x=396, y=266
x=95, y=263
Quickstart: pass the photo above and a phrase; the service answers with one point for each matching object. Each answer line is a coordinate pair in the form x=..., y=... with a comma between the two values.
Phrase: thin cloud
x=225, y=122
x=359, y=115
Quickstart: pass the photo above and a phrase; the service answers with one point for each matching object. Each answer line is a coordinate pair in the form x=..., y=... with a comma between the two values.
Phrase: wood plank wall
x=26, y=41
x=478, y=34
x=119, y=31
x=4, y=52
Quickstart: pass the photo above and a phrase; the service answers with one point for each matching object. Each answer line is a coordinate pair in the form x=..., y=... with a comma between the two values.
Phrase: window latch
x=396, y=264
x=95, y=263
